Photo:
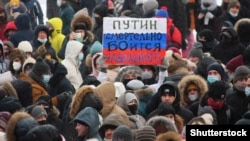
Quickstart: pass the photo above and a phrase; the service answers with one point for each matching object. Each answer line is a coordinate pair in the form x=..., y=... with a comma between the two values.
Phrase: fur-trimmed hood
x=159, y=120
x=21, y=121
x=179, y=66
x=197, y=80
x=128, y=69
x=121, y=101
x=78, y=98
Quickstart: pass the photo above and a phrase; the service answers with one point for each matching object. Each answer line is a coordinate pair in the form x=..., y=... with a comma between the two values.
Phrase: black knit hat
x=40, y=68
x=216, y=66
x=217, y=90
x=123, y=133
x=45, y=99
x=165, y=108
x=101, y=10
x=206, y=34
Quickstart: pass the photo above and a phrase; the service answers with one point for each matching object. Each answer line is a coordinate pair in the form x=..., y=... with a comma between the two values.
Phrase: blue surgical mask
x=42, y=40
x=46, y=78
x=80, y=57
x=193, y=97
x=247, y=91
x=212, y=78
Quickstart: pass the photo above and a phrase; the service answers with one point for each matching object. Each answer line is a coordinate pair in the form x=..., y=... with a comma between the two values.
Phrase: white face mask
x=233, y=14
x=42, y=40
x=16, y=66
x=59, y=3
x=193, y=97
x=247, y=91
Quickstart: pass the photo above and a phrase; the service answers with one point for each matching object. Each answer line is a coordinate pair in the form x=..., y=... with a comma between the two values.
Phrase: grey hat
x=123, y=133
x=241, y=72
x=196, y=50
x=38, y=111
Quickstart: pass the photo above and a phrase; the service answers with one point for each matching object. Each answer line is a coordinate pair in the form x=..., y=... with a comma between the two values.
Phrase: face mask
x=80, y=57
x=247, y=91
x=42, y=122
x=214, y=105
x=146, y=75
x=59, y=3
x=50, y=32
x=206, y=5
x=233, y=14
x=46, y=78
x=231, y=77
x=16, y=66
x=240, y=88
x=133, y=108
x=125, y=81
x=42, y=40
x=192, y=97
x=212, y=78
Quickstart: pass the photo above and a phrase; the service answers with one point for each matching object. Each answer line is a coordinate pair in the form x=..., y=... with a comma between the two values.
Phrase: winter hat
x=95, y=48
x=216, y=66
x=134, y=84
x=14, y=3
x=45, y=99
x=208, y=118
x=169, y=136
x=25, y=46
x=234, y=63
x=146, y=133
x=130, y=96
x=9, y=44
x=16, y=53
x=166, y=89
x=149, y=5
x=208, y=110
x=4, y=118
x=101, y=10
x=241, y=72
x=40, y=67
x=202, y=66
x=245, y=120
x=227, y=24
x=28, y=63
x=233, y=3
x=163, y=13
x=217, y=90
x=123, y=133
x=191, y=87
x=119, y=89
x=205, y=35
x=165, y=108
x=80, y=25
x=196, y=50
x=38, y=111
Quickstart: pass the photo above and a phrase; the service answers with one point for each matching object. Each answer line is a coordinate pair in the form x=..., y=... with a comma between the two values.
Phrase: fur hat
x=40, y=67
x=81, y=17
x=4, y=118
x=234, y=63
x=217, y=90
x=162, y=12
x=38, y=111
x=241, y=72
x=146, y=133
x=196, y=50
x=123, y=133
x=16, y=53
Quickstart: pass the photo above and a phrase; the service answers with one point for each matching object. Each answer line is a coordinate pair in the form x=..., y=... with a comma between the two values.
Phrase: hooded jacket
x=89, y=116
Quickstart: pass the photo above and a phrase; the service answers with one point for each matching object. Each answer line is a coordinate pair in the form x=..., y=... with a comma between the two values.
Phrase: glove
x=164, y=65
x=40, y=51
x=63, y=98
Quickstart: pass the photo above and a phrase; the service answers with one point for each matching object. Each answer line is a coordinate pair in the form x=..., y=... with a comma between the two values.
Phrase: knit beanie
x=123, y=133
x=146, y=133
x=241, y=72
x=149, y=5
x=4, y=118
x=233, y=3
x=206, y=34
x=38, y=111
x=25, y=46
x=196, y=50
x=134, y=84
x=129, y=97
x=217, y=90
x=101, y=10
x=162, y=13
x=40, y=67
x=234, y=63
x=95, y=48
x=216, y=66
x=165, y=108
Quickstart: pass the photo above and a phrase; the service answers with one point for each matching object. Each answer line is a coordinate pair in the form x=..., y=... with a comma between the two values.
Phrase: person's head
x=100, y=11
x=45, y=102
x=240, y=77
x=192, y=92
x=167, y=110
x=215, y=72
x=196, y=53
x=216, y=94
x=26, y=47
x=234, y=8
x=82, y=128
x=60, y=2
x=122, y=132
x=132, y=102
x=16, y=60
x=42, y=70
x=39, y=113
x=226, y=24
x=168, y=94
x=27, y=65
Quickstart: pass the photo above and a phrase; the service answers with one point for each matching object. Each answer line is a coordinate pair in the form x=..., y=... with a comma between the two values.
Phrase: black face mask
x=125, y=81
x=206, y=5
x=42, y=122
x=50, y=32
x=133, y=108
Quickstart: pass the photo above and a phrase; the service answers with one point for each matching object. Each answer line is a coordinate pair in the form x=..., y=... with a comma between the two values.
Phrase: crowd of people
x=56, y=86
